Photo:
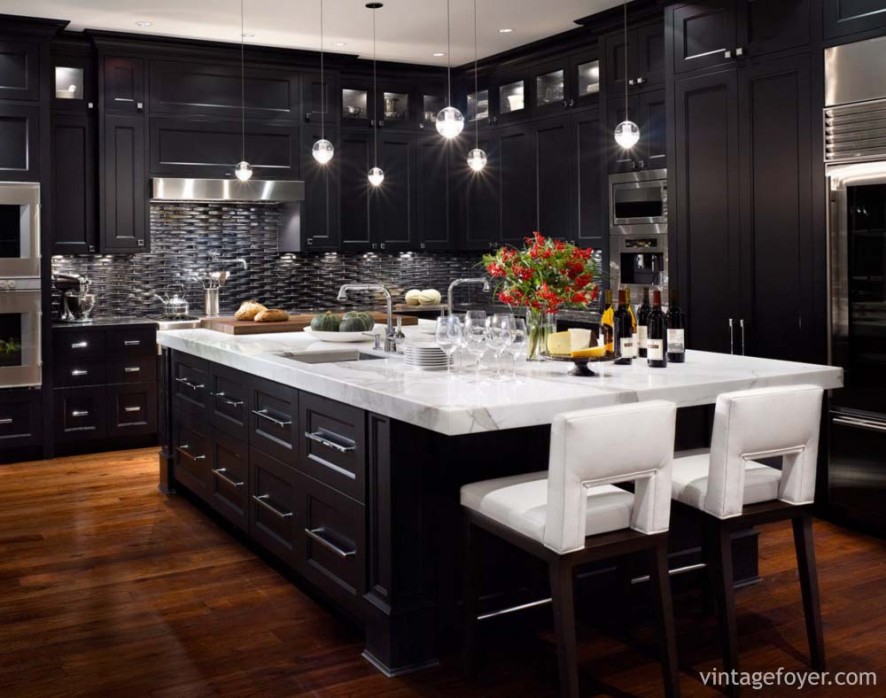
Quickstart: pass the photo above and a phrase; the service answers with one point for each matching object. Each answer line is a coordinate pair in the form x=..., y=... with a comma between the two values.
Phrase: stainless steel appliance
x=19, y=230
x=20, y=315
x=855, y=153
x=77, y=301
x=255, y=190
x=638, y=231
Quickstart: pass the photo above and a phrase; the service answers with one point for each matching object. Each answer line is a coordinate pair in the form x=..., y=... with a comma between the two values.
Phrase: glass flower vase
x=540, y=326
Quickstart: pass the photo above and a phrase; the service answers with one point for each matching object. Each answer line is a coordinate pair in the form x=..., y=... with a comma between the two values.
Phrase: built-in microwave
x=19, y=230
x=638, y=198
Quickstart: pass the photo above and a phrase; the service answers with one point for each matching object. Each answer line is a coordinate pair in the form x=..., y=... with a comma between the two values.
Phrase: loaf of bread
x=272, y=315
x=248, y=310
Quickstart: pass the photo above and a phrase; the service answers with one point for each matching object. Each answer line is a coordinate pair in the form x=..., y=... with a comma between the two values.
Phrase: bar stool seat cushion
x=521, y=502
x=689, y=480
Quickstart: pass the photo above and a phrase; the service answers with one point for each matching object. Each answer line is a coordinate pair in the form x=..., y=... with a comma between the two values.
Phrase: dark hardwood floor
x=108, y=588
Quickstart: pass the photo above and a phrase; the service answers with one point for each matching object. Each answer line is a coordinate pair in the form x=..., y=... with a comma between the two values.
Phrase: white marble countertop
x=462, y=404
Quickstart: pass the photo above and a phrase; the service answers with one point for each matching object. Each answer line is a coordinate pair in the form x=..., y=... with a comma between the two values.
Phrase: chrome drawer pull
x=264, y=415
x=131, y=369
x=315, y=534
x=185, y=382
x=274, y=510
x=220, y=474
x=318, y=437
x=132, y=343
x=7, y=420
x=224, y=399
x=860, y=423
x=80, y=345
x=183, y=450
x=79, y=372
x=80, y=413
x=132, y=409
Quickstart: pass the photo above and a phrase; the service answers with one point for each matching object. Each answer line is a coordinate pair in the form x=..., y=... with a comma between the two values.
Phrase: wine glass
x=518, y=344
x=475, y=335
x=499, y=335
x=449, y=337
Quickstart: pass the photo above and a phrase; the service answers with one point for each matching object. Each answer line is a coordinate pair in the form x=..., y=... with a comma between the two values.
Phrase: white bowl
x=340, y=337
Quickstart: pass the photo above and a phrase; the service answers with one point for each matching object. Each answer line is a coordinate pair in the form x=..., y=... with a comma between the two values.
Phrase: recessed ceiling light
x=506, y=30
x=340, y=43
x=144, y=23
x=248, y=36
x=438, y=54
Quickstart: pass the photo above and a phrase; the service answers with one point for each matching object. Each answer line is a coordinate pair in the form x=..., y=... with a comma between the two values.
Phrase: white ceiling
x=408, y=30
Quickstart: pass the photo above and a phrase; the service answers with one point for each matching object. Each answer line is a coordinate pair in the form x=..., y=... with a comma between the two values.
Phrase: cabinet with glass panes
x=73, y=83
x=586, y=75
x=548, y=85
x=512, y=102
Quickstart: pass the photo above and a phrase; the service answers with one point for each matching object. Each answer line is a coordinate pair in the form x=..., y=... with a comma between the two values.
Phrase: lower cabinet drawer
x=139, y=369
x=132, y=409
x=21, y=419
x=72, y=373
x=273, y=499
x=229, y=403
x=190, y=383
x=192, y=454
x=274, y=419
x=80, y=413
x=229, y=488
x=333, y=554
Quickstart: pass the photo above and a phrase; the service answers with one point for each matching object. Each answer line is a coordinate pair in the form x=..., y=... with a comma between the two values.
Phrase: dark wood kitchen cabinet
x=321, y=212
x=75, y=224
x=518, y=182
x=480, y=212
x=554, y=139
x=19, y=142
x=355, y=156
x=719, y=32
x=436, y=165
x=124, y=185
x=21, y=420
x=649, y=111
x=20, y=71
x=314, y=99
x=843, y=18
x=123, y=85
x=644, y=55
x=74, y=79
x=592, y=206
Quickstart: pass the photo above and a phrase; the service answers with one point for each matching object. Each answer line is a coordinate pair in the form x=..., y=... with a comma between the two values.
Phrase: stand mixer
x=77, y=301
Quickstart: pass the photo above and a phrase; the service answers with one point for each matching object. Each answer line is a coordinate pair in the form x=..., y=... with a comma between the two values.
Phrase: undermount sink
x=328, y=357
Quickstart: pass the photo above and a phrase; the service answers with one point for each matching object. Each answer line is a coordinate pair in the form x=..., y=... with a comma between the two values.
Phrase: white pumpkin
x=430, y=296
x=412, y=297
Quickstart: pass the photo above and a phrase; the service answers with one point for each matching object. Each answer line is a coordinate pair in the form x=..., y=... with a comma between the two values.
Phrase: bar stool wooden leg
x=805, y=547
x=472, y=575
x=661, y=586
x=563, y=600
x=720, y=541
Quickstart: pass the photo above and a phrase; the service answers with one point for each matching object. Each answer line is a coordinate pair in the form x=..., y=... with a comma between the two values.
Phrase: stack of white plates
x=425, y=355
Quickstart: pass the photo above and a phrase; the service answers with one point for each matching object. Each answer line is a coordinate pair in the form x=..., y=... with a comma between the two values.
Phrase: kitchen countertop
x=104, y=322
x=463, y=404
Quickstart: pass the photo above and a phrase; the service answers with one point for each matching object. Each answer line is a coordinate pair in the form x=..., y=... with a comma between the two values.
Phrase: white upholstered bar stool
x=572, y=514
x=733, y=491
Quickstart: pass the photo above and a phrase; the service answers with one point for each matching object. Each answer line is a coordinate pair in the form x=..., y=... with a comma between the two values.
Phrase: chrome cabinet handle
x=641, y=81
x=184, y=451
x=274, y=510
x=264, y=415
x=319, y=438
x=741, y=325
x=739, y=51
x=731, y=337
x=79, y=413
x=316, y=534
x=220, y=474
x=79, y=372
x=632, y=82
x=185, y=382
x=860, y=423
x=727, y=54
x=132, y=343
x=80, y=345
x=6, y=420
x=132, y=409
x=221, y=397
x=131, y=369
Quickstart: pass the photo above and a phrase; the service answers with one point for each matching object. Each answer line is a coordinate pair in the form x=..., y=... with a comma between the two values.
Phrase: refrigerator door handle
x=859, y=423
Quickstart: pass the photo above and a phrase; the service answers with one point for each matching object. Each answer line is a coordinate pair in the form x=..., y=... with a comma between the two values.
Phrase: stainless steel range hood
x=232, y=190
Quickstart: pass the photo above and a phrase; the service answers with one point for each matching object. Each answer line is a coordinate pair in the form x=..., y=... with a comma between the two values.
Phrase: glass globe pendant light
x=243, y=171
x=323, y=150
x=627, y=133
x=477, y=157
x=376, y=174
x=450, y=121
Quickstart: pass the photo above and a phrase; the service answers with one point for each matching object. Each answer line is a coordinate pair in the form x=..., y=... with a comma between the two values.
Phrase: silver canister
x=210, y=299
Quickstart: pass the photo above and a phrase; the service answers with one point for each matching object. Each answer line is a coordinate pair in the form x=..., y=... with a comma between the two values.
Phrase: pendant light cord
x=374, y=91
x=626, y=57
x=449, y=55
x=242, y=84
x=476, y=86
x=322, y=80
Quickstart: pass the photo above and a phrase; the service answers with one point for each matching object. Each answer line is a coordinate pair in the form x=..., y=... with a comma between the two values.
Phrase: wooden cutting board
x=295, y=323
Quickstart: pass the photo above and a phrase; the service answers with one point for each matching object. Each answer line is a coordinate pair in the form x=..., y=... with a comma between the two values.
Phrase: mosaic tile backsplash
x=186, y=238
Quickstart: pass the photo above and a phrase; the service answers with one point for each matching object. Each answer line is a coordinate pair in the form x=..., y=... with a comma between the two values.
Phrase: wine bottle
x=676, y=329
x=657, y=334
x=642, y=323
x=606, y=320
x=623, y=327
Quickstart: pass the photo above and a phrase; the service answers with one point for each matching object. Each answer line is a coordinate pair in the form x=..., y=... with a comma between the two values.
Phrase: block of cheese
x=589, y=353
x=579, y=338
x=560, y=343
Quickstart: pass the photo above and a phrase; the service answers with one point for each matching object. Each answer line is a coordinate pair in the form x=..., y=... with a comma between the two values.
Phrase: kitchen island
x=348, y=472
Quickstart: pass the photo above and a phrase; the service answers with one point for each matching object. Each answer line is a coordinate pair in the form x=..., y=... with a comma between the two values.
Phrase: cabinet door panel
x=19, y=137
x=321, y=213
x=124, y=85
x=21, y=419
x=764, y=27
x=132, y=409
x=519, y=177
x=843, y=17
x=274, y=419
x=229, y=487
x=776, y=132
x=650, y=67
x=653, y=149
x=19, y=71
x=554, y=146
x=273, y=502
x=392, y=203
x=482, y=199
x=125, y=185
x=433, y=192
x=615, y=53
x=79, y=414
x=313, y=99
x=74, y=183
x=622, y=159
x=703, y=32
x=590, y=174
x=707, y=235
x=192, y=454
x=356, y=160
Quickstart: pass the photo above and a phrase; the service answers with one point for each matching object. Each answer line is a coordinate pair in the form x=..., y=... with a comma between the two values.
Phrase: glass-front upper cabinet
x=512, y=99
x=478, y=106
x=586, y=79
x=549, y=87
x=431, y=104
x=73, y=84
x=356, y=105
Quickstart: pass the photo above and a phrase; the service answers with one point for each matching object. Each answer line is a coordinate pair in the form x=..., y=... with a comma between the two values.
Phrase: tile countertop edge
x=464, y=407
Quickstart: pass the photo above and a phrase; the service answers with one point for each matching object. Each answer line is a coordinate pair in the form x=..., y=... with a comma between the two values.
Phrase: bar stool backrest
x=763, y=423
x=604, y=446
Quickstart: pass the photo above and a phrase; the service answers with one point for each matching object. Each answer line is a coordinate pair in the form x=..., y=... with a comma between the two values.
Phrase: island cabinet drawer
x=132, y=409
x=333, y=555
x=332, y=438
x=131, y=342
x=192, y=454
x=273, y=419
x=273, y=497
x=229, y=488
x=79, y=345
x=21, y=419
x=77, y=372
x=138, y=369
x=80, y=414
x=190, y=383
x=229, y=394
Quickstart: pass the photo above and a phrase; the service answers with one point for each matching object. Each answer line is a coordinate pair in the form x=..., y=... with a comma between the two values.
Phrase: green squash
x=325, y=322
x=351, y=314
x=352, y=324
x=368, y=320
